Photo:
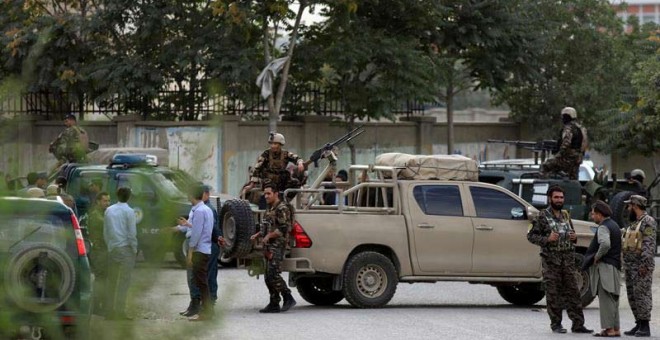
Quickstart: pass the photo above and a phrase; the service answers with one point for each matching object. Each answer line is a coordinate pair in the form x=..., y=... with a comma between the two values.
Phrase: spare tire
x=39, y=278
x=619, y=208
x=237, y=227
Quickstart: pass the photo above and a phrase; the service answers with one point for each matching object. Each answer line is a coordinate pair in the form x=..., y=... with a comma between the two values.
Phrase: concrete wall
x=220, y=152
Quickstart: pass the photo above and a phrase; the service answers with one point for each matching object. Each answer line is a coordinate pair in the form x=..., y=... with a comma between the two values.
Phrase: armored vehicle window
x=442, y=200
x=491, y=203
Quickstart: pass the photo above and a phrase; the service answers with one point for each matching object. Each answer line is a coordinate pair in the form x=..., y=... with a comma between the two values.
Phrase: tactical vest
x=564, y=242
x=576, y=141
x=275, y=166
x=633, y=237
x=271, y=217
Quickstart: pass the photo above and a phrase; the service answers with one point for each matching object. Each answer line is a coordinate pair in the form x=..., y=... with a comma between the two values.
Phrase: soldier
x=636, y=180
x=553, y=231
x=98, y=256
x=271, y=165
x=572, y=145
x=279, y=219
x=638, y=259
x=71, y=145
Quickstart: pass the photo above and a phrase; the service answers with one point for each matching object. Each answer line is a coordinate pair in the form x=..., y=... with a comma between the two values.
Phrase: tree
x=633, y=127
x=578, y=65
x=367, y=58
x=270, y=16
x=47, y=45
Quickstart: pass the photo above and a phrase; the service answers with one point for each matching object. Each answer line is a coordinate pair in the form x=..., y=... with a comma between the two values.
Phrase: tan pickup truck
x=385, y=230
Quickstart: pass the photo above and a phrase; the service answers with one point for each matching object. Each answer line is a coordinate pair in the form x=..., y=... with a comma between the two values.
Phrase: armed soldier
x=272, y=165
x=278, y=221
x=638, y=260
x=553, y=231
x=572, y=144
x=72, y=144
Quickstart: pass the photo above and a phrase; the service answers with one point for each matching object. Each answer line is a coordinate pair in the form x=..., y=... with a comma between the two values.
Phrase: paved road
x=446, y=310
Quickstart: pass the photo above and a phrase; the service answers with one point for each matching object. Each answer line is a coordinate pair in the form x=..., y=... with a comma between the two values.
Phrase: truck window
x=444, y=200
x=490, y=203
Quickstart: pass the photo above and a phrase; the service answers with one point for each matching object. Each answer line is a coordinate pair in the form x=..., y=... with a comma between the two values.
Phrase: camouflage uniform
x=559, y=268
x=640, y=254
x=99, y=252
x=278, y=217
x=569, y=156
x=67, y=147
x=271, y=166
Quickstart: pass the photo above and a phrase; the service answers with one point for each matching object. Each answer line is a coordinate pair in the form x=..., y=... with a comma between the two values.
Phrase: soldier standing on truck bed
x=278, y=220
x=571, y=145
x=553, y=231
x=72, y=144
x=639, y=263
x=272, y=165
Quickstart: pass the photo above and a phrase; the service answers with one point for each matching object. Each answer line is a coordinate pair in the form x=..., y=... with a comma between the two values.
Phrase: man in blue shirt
x=216, y=239
x=201, y=221
x=120, y=234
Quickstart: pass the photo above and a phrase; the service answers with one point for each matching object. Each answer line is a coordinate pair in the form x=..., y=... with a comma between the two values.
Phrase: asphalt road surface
x=445, y=310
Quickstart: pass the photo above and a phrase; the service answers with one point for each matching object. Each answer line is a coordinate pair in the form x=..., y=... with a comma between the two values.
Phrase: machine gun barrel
x=318, y=154
x=541, y=147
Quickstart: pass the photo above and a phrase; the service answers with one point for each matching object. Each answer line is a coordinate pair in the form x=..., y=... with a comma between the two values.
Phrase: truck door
x=441, y=234
x=500, y=235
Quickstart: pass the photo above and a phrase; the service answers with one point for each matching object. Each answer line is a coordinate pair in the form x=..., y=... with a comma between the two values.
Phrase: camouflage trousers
x=639, y=291
x=274, y=281
x=561, y=290
x=568, y=164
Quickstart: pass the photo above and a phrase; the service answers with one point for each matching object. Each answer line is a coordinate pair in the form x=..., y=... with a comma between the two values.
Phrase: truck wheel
x=318, y=291
x=618, y=208
x=370, y=280
x=180, y=250
x=40, y=278
x=237, y=227
x=583, y=279
x=524, y=294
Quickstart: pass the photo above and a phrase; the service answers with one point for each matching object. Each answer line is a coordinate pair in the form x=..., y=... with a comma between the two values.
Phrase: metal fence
x=183, y=104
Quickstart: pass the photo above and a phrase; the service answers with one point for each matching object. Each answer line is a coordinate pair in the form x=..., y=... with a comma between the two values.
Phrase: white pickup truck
x=386, y=230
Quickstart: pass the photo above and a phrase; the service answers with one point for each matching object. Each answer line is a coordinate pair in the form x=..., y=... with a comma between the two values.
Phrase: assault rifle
x=541, y=148
x=318, y=154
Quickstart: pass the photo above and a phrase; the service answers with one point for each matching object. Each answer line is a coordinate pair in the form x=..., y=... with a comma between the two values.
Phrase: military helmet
x=638, y=173
x=569, y=111
x=276, y=138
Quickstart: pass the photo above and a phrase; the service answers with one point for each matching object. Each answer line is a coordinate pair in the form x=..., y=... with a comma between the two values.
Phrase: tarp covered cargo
x=442, y=167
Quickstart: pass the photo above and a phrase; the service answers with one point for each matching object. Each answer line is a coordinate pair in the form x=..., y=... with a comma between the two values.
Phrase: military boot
x=272, y=307
x=289, y=302
x=633, y=330
x=195, y=307
x=644, y=329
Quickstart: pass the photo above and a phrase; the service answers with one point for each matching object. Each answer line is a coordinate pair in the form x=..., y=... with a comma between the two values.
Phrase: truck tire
x=180, y=250
x=237, y=227
x=524, y=294
x=618, y=208
x=39, y=278
x=318, y=291
x=583, y=279
x=370, y=280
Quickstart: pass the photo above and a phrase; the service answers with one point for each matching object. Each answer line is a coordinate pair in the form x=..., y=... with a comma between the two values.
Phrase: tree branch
x=287, y=65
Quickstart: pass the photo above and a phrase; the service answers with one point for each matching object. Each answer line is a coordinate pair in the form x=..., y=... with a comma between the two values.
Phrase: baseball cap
x=42, y=175
x=637, y=200
x=207, y=188
x=70, y=116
